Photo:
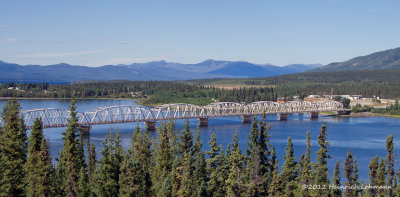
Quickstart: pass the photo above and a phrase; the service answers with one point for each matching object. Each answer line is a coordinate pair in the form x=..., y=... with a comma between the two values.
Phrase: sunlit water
x=363, y=136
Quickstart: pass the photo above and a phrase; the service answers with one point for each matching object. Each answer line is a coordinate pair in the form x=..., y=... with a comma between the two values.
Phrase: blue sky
x=95, y=32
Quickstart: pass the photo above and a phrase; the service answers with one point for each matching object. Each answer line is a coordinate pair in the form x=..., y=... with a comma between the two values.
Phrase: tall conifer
x=13, y=151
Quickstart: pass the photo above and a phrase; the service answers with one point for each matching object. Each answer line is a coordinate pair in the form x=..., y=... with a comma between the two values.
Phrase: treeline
x=153, y=92
x=393, y=109
x=176, y=165
x=381, y=83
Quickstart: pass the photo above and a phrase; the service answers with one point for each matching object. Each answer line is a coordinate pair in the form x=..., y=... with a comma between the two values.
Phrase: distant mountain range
x=389, y=59
x=157, y=70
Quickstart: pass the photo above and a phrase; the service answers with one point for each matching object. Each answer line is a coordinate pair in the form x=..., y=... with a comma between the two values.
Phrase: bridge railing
x=126, y=113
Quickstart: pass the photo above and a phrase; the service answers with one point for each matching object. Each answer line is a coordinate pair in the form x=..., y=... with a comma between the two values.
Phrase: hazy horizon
x=95, y=33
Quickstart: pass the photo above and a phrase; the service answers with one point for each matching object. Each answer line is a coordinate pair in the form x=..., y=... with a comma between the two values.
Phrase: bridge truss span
x=129, y=113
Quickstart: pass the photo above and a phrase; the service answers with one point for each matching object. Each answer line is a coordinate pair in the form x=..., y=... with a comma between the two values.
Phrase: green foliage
x=13, y=150
x=320, y=173
x=39, y=169
x=177, y=166
x=106, y=181
x=69, y=164
x=373, y=175
x=359, y=108
x=336, y=192
x=390, y=163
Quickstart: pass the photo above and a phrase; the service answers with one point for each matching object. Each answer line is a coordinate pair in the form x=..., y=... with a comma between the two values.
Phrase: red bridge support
x=150, y=125
x=203, y=122
x=85, y=129
x=246, y=118
x=314, y=115
x=283, y=116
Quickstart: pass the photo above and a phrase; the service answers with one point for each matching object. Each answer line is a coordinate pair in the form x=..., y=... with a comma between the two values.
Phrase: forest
x=369, y=83
x=149, y=92
x=175, y=164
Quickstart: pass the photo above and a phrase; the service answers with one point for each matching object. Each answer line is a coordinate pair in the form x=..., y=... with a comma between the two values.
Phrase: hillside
x=382, y=83
x=158, y=70
x=389, y=59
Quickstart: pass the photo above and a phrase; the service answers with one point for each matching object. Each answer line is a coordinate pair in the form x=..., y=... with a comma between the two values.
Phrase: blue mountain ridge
x=156, y=70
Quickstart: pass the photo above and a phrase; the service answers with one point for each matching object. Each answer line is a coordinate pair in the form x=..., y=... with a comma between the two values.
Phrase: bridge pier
x=150, y=125
x=85, y=129
x=314, y=115
x=344, y=112
x=246, y=118
x=203, y=122
x=283, y=116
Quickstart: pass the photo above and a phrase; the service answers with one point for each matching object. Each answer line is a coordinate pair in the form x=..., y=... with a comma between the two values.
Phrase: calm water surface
x=364, y=136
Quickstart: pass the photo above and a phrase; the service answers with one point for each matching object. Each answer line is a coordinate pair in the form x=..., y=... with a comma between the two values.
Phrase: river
x=363, y=136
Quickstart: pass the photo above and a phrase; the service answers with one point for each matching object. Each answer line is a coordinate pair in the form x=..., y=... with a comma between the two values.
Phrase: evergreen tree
x=107, y=175
x=235, y=183
x=257, y=159
x=336, y=192
x=320, y=174
x=288, y=173
x=213, y=164
x=199, y=168
x=91, y=163
x=83, y=183
x=162, y=183
x=13, y=151
x=186, y=140
x=381, y=177
x=373, y=175
x=39, y=169
x=355, y=178
x=390, y=164
x=222, y=172
x=306, y=173
x=69, y=163
x=185, y=174
x=275, y=188
x=348, y=168
x=135, y=177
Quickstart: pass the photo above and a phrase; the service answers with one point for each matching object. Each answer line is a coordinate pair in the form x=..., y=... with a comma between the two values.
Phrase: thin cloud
x=8, y=40
x=50, y=55
x=3, y=25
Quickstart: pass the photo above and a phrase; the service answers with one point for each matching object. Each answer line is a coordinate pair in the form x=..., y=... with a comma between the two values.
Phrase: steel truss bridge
x=52, y=117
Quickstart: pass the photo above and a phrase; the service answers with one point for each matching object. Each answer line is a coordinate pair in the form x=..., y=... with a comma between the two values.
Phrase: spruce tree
x=348, y=169
x=83, y=183
x=34, y=148
x=306, y=171
x=91, y=163
x=390, y=164
x=69, y=163
x=186, y=140
x=235, y=183
x=373, y=175
x=275, y=188
x=185, y=174
x=162, y=184
x=381, y=177
x=40, y=177
x=214, y=182
x=13, y=151
x=336, y=192
x=321, y=170
x=135, y=177
x=199, y=168
x=288, y=173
